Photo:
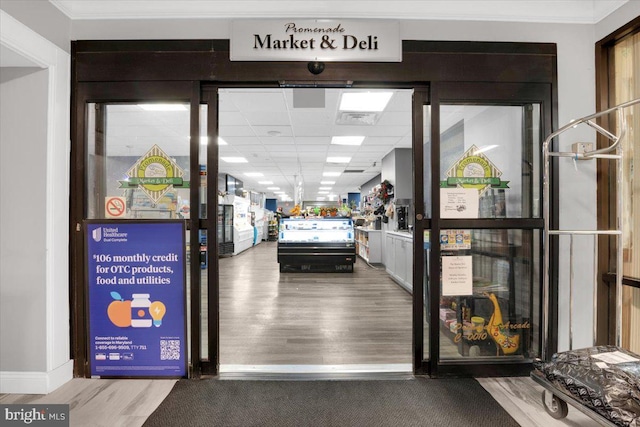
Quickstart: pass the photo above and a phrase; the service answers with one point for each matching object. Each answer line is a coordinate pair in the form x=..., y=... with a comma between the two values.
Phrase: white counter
x=398, y=257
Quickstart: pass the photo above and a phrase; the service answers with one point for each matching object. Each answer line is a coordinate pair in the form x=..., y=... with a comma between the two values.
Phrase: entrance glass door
x=483, y=245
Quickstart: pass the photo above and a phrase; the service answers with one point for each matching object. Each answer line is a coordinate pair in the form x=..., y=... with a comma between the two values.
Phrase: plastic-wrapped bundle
x=605, y=379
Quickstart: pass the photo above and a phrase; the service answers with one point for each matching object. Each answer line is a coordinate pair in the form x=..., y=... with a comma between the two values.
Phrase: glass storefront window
x=138, y=158
x=627, y=69
x=494, y=149
x=129, y=143
x=488, y=283
x=205, y=245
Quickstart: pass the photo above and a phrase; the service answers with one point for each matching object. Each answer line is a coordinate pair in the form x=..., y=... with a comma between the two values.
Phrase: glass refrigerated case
x=316, y=244
x=225, y=230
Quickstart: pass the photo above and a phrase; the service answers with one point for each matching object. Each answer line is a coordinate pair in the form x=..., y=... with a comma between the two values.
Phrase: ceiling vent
x=357, y=118
x=353, y=171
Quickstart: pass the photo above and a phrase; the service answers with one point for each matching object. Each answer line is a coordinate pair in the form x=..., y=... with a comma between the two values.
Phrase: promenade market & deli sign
x=316, y=40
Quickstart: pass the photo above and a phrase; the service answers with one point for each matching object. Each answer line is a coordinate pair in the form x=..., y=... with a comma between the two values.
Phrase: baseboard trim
x=35, y=382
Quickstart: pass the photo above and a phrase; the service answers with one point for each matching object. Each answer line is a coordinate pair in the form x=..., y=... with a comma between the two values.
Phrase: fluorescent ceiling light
x=234, y=159
x=265, y=182
x=338, y=159
x=324, y=188
x=273, y=188
x=320, y=199
x=323, y=192
x=327, y=182
x=347, y=140
x=253, y=174
x=280, y=192
x=163, y=107
x=365, y=101
x=331, y=173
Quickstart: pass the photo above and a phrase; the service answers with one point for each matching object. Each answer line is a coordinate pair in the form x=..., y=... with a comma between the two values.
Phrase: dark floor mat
x=417, y=402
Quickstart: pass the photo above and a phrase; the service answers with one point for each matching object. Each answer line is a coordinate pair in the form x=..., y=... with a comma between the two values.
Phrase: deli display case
x=316, y=244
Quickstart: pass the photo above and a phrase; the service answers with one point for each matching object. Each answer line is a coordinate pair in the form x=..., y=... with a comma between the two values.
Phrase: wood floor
x=294, y=319
x=268, y=317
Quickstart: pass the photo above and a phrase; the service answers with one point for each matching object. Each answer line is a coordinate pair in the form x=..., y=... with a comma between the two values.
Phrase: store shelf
x=273, y=231
x=369, y=245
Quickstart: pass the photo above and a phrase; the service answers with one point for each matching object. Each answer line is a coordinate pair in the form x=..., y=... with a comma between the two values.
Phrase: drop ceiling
x=285, y=141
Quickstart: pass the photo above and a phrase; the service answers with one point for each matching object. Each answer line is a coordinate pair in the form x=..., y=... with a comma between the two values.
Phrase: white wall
x=43, y=18
x=617, y=19
x=23, y=113
x=34, y=217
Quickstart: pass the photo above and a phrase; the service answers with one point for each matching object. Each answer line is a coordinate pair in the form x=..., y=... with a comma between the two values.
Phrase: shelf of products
x=369, y=245
x=273, y=230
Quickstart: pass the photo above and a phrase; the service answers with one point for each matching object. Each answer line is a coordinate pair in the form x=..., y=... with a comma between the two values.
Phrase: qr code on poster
x=169, y=349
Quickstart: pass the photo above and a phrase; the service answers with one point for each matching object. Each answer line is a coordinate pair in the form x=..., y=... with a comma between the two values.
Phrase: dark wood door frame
x=131, y=71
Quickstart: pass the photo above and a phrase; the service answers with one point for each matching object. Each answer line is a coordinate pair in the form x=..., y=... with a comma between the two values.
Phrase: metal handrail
x=601, y=153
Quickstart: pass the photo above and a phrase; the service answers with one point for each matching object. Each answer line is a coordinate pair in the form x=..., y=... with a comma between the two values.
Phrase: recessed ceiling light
x=347, y=140
x=279, y=192
x=338, y=159
x=331, y=173
x=323, y=192
x=273, y=188
x=163, y=107
x=365, y=101
x=327, y=182
x=234, y=159
x=324, y=188
x=320, y=199
x=253, y=174
x=265, y=182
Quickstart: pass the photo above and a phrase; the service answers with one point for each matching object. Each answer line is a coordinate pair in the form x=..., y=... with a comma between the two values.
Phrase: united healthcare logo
x=97, y=234
x=34, y=415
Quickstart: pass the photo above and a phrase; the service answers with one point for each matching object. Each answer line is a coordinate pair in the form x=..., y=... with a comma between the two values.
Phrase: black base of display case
x=225, y=249
x=316, y=268
x=316, y=258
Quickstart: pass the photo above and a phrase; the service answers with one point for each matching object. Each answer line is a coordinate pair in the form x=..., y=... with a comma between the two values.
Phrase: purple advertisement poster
x=136, y=293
